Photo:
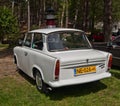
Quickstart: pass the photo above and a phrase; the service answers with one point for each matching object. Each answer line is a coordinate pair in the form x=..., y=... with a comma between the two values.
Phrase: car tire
x=40, y=85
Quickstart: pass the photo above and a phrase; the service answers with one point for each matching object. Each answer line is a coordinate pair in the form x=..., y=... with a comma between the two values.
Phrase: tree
x=62, y=14
x=28, y=4
x=8, y=24
x=96, y=13
x=107, y=21
x=83, y=14
x=86, y=15
x=115, y=10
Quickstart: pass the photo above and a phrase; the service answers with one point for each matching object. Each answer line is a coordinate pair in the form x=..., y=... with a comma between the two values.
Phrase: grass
x=16, y=92
x=3, y=46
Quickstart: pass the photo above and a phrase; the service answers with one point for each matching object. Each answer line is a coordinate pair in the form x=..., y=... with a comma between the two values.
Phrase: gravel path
x=7, y=66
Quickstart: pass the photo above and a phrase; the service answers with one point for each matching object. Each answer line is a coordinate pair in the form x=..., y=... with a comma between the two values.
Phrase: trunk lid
x=70, y=61
x=79, y=56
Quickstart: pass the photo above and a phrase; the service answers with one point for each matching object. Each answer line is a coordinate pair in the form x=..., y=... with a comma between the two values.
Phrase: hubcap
x=38, y=81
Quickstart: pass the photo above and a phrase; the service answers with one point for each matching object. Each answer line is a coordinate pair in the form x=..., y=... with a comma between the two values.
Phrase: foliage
x=96, y=10
x=34, y=27
x=3, y=46
x=75, y=13
x=116, y=10
x=8, y=24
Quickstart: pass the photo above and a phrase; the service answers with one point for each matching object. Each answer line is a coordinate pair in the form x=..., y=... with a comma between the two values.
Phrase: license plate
x=84, y=70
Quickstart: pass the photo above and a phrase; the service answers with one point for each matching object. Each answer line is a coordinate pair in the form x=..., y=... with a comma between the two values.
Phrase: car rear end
x=79, y=70
x=76, y=62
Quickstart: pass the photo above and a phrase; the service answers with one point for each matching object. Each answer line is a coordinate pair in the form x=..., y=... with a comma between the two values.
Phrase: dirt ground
x=7, y=66
x=9, y=69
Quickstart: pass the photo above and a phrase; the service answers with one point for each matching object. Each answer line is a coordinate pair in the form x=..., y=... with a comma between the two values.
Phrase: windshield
x=67, y=40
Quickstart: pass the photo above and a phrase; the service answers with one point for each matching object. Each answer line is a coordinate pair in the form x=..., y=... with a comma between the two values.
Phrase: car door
x=26, y=53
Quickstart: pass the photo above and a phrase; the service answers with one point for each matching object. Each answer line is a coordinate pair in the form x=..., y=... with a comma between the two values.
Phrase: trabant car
x=57, y=57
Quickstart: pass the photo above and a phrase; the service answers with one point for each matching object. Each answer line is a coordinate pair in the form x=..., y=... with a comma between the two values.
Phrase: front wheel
x=40, y=85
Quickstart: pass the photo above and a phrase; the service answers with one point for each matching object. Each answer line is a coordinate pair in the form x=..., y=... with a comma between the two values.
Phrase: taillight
x=110, y=62
x=57, y=69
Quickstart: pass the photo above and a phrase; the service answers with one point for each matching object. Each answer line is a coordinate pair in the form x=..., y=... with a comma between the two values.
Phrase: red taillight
x=57, y=69
x=110, y=62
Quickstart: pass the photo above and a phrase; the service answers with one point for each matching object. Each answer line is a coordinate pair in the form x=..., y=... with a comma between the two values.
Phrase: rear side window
x=37, y=41
x=28, y=40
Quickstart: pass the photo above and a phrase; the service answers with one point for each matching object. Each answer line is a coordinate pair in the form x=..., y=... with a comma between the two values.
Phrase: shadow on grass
x=70, y=91
x=77, y=90
x=26, y=77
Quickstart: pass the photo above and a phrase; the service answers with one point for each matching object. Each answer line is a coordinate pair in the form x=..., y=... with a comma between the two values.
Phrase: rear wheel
x=40, y=85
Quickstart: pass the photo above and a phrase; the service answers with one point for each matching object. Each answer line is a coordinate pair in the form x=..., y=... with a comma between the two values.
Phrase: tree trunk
x=40, y=13
x=28, y=15
x=93, y=15
x=107, y=22
x=66, y=23
x=13, y=4
x=62, y=15
x=86, y=15
x=76, y=14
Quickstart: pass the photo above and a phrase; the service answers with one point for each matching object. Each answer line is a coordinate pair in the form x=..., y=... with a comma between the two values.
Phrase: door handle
x=25, y=53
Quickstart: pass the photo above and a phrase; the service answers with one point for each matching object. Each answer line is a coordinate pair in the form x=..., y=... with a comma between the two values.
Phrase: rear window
x=67, y=40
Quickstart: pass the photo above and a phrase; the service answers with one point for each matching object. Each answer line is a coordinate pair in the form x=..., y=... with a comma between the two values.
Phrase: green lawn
x=3, y=46
x=16, y=91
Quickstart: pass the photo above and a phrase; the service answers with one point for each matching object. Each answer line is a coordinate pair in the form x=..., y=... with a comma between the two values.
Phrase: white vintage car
x=58, y=57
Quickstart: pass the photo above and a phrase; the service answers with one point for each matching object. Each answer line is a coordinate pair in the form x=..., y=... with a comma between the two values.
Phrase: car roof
x=50, y=30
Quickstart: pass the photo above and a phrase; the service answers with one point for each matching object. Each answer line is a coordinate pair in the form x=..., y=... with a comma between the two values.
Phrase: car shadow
x=26, y=77
x=69, y=91
x=76, y=90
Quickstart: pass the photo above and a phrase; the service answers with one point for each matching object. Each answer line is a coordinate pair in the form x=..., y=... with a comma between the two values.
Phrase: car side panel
x=18, y=53
x=43, y=62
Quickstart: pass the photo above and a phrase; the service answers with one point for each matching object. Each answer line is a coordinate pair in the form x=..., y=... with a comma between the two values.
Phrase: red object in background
x=113, y=37
x=50, y=18
x=98, y=37
x=50, y=22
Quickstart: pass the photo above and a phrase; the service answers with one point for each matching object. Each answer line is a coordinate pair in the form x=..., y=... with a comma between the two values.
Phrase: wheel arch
x=15, y=59
x=35, y=69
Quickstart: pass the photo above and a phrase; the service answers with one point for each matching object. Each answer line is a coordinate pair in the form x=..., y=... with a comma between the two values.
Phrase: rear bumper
x=79, y=80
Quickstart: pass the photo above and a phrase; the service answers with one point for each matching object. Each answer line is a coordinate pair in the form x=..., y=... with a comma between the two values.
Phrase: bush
x=8, y=25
